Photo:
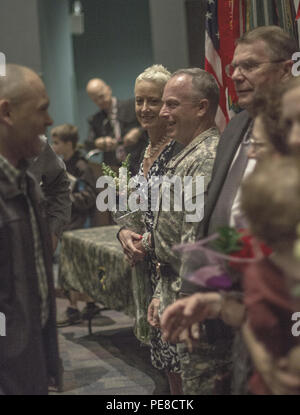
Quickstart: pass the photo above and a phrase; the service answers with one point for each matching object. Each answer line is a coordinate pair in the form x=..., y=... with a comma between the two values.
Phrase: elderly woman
x=149, y=88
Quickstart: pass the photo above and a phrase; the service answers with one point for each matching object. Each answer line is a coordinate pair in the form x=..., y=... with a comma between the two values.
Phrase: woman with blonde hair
x=149, y=87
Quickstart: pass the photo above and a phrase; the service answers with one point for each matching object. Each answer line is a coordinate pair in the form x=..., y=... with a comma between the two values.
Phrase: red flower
x=251, y=248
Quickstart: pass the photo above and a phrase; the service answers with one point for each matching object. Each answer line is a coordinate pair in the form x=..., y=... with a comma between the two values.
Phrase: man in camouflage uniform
x=190, y=99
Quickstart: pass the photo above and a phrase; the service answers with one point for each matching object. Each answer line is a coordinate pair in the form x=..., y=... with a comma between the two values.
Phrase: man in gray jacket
x=29, y=350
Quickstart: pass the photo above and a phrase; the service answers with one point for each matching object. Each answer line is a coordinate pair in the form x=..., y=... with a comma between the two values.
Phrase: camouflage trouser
x=207, y=370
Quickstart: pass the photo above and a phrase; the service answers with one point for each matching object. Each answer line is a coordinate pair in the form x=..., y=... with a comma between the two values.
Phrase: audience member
x=114, y=129
x=83, y=184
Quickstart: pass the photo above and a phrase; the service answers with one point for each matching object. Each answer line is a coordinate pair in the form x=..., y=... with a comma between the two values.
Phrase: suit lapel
x=229, y=143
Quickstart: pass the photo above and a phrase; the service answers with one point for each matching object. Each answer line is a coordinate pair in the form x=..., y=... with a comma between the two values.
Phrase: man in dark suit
x=262, y=57
x=112, y=125
x=29, y=351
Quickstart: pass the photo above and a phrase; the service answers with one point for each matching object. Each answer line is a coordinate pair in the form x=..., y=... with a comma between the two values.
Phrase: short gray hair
x=155, y=73
x=279, y=43
x=205, y=86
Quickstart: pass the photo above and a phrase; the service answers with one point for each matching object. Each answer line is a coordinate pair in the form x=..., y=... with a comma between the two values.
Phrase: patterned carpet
x=111, y=361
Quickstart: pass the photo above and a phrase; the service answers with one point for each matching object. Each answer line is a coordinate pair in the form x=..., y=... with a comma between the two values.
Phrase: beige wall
x=19, y=32
x=169, y=33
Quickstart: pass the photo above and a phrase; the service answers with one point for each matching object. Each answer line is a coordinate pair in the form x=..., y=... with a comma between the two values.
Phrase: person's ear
x=203, y=107
x=5, y=112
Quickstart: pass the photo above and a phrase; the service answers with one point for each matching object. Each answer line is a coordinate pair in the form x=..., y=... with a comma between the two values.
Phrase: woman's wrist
x=120, y=230
x=146, y=242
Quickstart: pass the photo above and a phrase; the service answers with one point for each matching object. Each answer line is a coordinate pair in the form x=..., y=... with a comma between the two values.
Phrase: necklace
x=150, y=151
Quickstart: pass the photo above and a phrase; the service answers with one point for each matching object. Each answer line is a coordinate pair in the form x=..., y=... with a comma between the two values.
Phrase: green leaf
x=229, y=240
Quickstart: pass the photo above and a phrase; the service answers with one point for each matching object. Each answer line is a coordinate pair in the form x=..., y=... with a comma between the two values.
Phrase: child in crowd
x=83, y=187
x=83, y=196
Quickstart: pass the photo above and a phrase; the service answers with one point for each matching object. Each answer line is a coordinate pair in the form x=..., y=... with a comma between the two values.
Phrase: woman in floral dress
x=149, y=88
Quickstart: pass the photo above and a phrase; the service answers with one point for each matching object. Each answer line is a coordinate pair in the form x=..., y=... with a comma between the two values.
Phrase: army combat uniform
x=200, y=369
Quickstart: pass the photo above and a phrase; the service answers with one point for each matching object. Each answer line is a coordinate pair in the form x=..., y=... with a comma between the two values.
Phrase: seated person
x=114, y=129
x=83, y=197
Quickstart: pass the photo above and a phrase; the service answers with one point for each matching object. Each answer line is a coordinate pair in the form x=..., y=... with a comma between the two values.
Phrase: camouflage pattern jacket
x=175, y=226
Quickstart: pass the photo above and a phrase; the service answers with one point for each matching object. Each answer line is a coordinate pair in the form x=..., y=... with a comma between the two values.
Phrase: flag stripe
x=213, y=58
x=222, y=28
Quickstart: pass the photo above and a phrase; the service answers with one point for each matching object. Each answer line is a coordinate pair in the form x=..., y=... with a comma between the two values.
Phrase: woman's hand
x=132, y=246
x=153, y=317
x=139, y=247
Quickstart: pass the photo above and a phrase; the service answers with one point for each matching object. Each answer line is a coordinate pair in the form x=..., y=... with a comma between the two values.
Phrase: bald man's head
x=100, y=93
x=15, y=84
x=23, y=113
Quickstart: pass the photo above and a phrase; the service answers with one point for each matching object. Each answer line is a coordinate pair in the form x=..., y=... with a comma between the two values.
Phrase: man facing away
x=29, y=351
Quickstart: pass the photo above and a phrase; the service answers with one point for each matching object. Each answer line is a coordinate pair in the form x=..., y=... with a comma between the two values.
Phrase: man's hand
x=132, y=137
x=132, y=247
x=153, y=317
x=187, y=311
x=106, y=143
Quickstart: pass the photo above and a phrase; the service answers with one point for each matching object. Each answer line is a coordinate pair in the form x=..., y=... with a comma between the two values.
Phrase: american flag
x=227, y=20
x=223, y=25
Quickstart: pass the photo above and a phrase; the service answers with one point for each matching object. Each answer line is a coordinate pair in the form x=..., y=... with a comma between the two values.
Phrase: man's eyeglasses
x=257, y=144
x=246, y=67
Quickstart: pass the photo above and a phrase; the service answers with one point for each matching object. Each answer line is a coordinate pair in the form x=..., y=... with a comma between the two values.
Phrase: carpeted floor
x=111, y=361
